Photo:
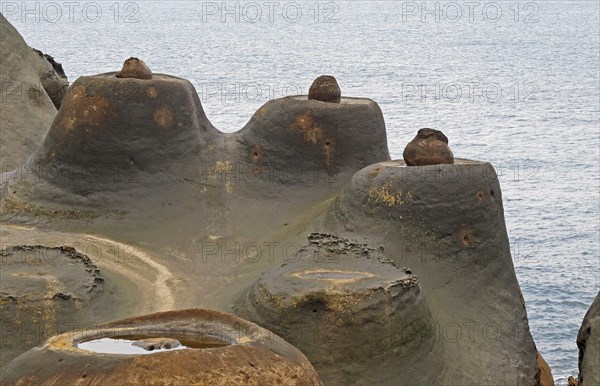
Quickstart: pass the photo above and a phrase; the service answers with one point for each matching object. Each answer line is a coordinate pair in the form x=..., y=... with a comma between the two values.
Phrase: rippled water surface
x=513, y=83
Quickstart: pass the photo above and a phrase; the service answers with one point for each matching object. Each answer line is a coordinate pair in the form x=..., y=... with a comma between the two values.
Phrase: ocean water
x=515, y=83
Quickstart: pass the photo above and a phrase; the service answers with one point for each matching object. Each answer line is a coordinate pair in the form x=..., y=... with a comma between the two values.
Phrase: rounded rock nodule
x=221, y=349
x=326, y=89
x=429, y=147
x=135, y=68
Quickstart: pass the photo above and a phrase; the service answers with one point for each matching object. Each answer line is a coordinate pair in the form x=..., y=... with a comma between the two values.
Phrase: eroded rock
x=326, y=89
x=358, y=317
x=135, y=68
x=446, y=223
x=53, y=79
x=429, y=147
x=32, y=90
x=247, y=355
x=546, y=378
x=42, y=288
x=588, y=341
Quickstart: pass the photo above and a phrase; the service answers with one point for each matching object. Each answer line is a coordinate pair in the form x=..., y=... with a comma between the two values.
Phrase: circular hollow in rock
x=220, y=349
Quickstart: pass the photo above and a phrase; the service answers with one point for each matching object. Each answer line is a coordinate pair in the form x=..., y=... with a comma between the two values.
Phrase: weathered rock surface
x=41, y=289
x=53, y=79
x=246, y=355
x=546, y=378
x=135, y=68
x=134, y=165
x=588, y=341
x=359, y=318
x=446, y=223
x=32, y=85
x=326, y=89
x=429, y=147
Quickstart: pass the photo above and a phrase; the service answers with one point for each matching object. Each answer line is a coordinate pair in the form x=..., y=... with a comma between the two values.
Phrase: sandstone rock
x=312, y=137
x=247, y=355
x=571, y=381
x=27, y=109
x=429, y=147
x=135, y=68
x=326, y=89
x=137, y=160
x=588, y=341
x=446, y=223
x=42, y=288
x=115, y=135
x=359, y=318
x=53, y=79
x=546, y=378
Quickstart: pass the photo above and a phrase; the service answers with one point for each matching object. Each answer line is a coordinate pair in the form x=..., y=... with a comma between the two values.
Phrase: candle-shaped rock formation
x=305, y=136
x=135, y=68
x=115, y=137
x=326, y=89
x=429, y=147
x=358, y=317
x=220, y=349
x=446, y=223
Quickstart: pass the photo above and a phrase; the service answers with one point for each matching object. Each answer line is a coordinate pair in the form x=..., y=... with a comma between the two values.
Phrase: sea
x=514, y=83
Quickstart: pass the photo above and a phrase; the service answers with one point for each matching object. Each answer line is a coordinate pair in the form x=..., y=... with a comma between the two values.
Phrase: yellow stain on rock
x=384, y=195
x=163, y=116
x=81, y=109
x=305, y=124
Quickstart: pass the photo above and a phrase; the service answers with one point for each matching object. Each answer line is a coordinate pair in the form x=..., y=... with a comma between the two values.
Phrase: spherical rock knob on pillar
x=429, y=147
x=135, y=68
x=326, y=89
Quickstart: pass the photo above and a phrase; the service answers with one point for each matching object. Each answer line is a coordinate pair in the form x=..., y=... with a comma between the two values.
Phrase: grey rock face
x=53, y=79
x=446, y=223
x=32, y=88
x=588, y=341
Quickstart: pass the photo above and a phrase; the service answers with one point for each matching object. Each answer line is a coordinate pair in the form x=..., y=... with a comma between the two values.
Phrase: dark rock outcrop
x=429, y=147
x=222, y=350
x=359, y=318
x=325, y=89
x=53, y=79
x=32, y=84
x=588, y=341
